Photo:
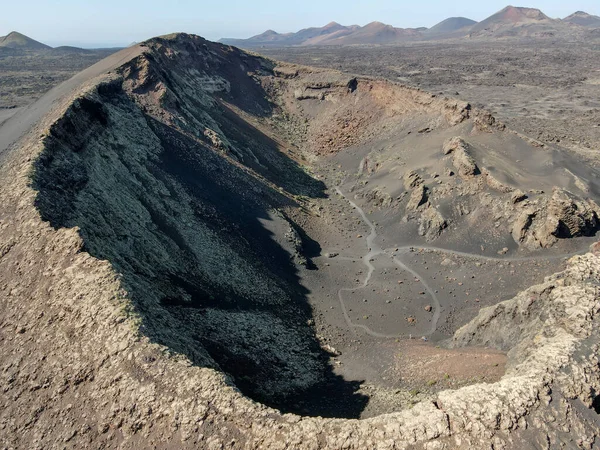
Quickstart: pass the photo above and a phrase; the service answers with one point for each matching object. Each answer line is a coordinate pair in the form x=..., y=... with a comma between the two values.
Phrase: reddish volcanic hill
x=515, y=21
x=512, y=15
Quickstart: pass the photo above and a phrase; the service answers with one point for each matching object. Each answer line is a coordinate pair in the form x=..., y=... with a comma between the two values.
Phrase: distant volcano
x=20, y=41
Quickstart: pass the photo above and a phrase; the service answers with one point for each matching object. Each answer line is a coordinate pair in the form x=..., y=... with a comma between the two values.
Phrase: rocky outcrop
x=518, y=196
x=486, y=122
x=462, y=160
x=378, y=197
x=561, y=216
x=411, y=180
x=418, y=197
x=452, y=144
x=569, y=216
x=431, y=223
x=522, y=225
x=464, y=163
x=496, y=184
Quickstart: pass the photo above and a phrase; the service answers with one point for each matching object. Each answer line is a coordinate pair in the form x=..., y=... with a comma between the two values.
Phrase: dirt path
x=483, y=257
x=375, y=250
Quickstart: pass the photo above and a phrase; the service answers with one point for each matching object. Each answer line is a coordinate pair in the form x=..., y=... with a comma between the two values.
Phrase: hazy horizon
x=117, y=24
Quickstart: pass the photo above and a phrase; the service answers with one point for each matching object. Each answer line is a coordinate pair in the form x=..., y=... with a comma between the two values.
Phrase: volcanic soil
x=313, y=236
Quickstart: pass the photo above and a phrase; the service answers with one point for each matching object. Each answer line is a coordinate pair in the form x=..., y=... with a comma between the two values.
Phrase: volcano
x=204, y=248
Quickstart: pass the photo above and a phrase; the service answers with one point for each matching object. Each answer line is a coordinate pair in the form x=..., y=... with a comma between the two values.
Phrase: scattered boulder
x=352, y=85
x=332, y=351
x=448, y=262
x=463, y=209
x=363, y=167
x=214, y=139
x=518, y=196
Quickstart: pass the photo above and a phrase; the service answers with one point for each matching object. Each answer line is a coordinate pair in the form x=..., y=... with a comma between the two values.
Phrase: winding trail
x=375, y=250
x=483, y=257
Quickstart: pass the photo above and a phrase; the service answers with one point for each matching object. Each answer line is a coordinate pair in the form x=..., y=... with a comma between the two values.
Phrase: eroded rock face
x=564, y=215
x=569, y=216
x=417, y=198
x=155, y=189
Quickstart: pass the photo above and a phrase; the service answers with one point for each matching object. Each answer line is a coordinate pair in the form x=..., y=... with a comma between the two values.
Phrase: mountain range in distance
x=15, y=42
x=511, y=21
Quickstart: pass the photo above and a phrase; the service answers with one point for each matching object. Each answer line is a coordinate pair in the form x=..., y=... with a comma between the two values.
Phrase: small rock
x=518, y=196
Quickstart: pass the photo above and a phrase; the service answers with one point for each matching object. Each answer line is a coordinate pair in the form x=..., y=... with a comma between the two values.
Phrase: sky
x=109, y=23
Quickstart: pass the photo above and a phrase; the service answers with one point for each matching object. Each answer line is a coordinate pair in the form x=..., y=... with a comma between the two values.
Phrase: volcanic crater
x=328, y=244
x=201, y=172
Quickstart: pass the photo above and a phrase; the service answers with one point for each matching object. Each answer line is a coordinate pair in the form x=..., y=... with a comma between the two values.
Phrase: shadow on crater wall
x=181, y=223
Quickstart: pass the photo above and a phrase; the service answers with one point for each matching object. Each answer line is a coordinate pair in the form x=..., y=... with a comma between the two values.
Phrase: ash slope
x=139, y=172
x=194, y=178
